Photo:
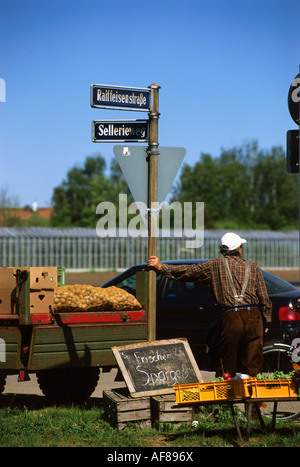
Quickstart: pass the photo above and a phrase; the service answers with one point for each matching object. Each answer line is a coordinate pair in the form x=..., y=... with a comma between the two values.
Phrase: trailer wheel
x=2, y=381
x=68, y=384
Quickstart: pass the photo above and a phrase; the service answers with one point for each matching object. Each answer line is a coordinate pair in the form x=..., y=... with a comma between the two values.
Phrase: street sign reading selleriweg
x=109, y=131
x=121, y=98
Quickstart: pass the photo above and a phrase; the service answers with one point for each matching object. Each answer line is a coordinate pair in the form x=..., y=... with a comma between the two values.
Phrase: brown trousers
x=240, y=343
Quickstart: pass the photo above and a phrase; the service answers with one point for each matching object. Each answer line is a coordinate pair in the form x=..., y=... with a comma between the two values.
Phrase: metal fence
x=82, y=249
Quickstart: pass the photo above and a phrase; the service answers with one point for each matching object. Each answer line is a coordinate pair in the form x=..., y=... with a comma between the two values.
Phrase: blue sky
x=224, y=68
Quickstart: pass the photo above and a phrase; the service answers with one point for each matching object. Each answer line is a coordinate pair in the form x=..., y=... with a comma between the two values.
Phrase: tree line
x=242, y=188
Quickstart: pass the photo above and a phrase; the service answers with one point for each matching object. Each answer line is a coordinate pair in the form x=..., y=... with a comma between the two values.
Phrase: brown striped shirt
x=214, y=275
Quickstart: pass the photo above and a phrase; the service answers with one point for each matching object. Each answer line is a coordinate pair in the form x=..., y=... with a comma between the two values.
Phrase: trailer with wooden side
x=65, y=349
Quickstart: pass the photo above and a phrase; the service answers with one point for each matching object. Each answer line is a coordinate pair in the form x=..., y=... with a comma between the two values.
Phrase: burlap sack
x=80, y=297
x=119, y=299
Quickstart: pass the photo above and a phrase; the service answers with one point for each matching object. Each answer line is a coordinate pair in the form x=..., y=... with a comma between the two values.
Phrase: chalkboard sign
x=151, y=368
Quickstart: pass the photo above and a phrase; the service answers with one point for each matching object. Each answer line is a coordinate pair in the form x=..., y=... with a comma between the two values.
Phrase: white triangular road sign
x=134, y=165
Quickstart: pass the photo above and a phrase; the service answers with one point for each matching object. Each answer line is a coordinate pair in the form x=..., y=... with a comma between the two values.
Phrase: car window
x=129, y=283
x=191, y=289
x=276, y=285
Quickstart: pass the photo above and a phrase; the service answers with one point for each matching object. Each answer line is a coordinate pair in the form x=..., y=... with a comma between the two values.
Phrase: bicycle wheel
x=277, y=357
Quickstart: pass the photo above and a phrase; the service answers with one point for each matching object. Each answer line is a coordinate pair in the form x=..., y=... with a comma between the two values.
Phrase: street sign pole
x=144, y=100
x=152, y=203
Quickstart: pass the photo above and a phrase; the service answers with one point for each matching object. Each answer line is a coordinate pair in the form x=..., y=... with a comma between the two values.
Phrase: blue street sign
x=108, y=131
x=121, y=98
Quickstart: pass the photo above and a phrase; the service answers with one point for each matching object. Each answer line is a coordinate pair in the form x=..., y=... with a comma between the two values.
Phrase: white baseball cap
x=231, y=241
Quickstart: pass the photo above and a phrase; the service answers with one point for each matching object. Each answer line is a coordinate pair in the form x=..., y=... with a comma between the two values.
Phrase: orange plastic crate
x=268, y=388
x=198, y=392
x=242, y=388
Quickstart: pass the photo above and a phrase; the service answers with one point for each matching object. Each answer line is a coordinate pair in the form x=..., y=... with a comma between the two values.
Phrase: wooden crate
x=120, y=409
x=164, y=409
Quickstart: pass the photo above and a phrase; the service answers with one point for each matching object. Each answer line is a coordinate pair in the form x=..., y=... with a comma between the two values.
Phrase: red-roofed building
x=19, y=216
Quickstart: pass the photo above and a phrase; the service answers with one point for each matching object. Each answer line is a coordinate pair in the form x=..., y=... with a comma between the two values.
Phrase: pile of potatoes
x=79, y=297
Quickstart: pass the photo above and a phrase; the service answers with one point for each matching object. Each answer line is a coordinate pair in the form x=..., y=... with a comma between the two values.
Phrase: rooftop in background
x=25, y=213
x=24, y=217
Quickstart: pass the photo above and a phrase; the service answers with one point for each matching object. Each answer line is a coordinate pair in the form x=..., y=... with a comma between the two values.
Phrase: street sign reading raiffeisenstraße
x=121, y=98
x=108, y=131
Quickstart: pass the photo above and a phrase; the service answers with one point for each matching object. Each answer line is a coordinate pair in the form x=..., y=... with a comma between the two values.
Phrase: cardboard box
x=8, y=303
x=42, y=278
x=42, y=281
x=8, y=278
x=41, y=301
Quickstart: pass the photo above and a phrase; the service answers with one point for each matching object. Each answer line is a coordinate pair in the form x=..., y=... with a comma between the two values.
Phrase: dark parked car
x=187, y=309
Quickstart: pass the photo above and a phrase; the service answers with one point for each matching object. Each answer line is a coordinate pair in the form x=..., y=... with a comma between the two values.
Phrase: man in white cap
x=240, y=290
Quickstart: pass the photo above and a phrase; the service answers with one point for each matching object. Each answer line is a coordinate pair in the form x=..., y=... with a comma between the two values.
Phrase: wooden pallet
x=164, y=410
x=120, y=409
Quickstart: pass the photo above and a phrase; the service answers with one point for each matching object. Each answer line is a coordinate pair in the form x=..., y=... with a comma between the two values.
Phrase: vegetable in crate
x=276, y=375
x=227, y=376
